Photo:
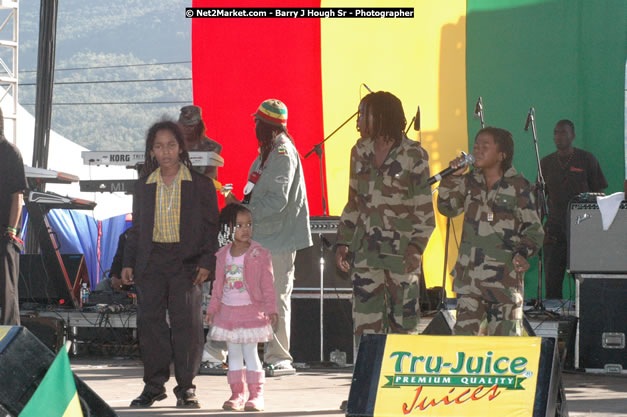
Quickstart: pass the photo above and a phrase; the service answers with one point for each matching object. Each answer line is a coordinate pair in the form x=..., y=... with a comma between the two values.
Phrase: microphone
x=478, y=108
x=529, y=118
x=417, y=120
x=367, y=88
x=468, y=159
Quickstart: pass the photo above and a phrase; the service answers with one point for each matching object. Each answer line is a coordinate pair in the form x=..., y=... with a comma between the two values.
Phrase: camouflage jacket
x=388, y=208
x=498, y=224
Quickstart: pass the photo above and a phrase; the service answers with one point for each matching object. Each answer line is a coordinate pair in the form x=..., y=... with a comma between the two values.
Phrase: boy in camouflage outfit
x=387, y=221
x=501, y=230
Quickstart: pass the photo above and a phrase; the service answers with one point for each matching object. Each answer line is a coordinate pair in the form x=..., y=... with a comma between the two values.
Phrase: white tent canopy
x=65, y=156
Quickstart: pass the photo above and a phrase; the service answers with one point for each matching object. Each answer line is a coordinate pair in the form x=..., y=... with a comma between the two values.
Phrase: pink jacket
x=258, y=277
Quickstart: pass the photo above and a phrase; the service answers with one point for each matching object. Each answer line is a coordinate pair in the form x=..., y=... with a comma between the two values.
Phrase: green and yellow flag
x=56, y=395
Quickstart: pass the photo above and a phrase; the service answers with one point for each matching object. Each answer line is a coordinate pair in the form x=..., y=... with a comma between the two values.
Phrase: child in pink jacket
x=242, y=309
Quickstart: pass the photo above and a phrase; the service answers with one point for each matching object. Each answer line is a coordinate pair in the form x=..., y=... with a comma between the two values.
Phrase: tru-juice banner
x=450, y=376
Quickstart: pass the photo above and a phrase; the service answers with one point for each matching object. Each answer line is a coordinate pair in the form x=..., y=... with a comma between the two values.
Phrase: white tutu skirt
x=241, y=324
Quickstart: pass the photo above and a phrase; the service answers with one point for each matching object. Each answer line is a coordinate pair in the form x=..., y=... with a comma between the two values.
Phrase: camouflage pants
x=476, y=317
x=384, y=302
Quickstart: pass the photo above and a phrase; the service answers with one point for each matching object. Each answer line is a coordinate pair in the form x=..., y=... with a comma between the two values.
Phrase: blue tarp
x=77, y=233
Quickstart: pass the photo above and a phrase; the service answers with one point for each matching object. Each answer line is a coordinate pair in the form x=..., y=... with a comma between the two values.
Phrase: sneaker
x=284, y=365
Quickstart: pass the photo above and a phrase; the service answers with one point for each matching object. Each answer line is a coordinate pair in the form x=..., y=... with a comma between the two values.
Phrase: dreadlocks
x=387, y=113
x=265, y=136
x=228, y=218
x=150, y=163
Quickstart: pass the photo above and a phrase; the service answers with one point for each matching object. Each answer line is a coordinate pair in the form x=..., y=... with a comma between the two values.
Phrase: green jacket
x=388, y=208
x=279, y=200
x=498, y=224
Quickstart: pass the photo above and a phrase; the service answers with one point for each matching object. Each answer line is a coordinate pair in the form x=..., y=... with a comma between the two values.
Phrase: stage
x=311, y=392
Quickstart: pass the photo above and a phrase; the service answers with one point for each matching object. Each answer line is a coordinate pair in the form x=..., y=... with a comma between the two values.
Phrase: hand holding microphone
x=456, y=167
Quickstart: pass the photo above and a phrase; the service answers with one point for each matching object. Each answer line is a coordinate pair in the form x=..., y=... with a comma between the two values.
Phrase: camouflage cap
x=190, y=115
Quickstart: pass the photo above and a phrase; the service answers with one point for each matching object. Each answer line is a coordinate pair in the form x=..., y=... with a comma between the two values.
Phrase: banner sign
x=448, y=376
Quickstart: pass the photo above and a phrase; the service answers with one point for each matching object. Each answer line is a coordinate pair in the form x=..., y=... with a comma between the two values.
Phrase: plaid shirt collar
x=183, y=175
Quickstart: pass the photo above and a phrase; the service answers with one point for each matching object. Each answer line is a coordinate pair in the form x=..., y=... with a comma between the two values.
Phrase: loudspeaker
x=441, y=324
x=37, y=284
x=444, y=322
x=24, y=361
x=307, y=262
x=602, y=323
x=590, y=248
x=49, y=330
x=388, y=380
x=305, y=328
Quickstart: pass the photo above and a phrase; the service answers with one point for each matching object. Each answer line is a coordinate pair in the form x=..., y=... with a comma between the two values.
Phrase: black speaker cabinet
x=307, y=263
x=49, y=330
x=602, y=323
x=305, y=328
x=590, y=248
x=38, y=284
x=24, y=361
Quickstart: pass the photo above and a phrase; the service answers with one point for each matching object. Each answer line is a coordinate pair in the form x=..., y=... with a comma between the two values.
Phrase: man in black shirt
x=567, y=172
x=12, y=184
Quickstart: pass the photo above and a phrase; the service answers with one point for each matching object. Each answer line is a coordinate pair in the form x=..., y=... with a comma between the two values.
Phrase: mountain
x=125, y=35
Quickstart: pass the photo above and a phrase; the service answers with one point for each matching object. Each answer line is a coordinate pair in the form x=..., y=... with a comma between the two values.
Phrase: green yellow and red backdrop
x=564, y=57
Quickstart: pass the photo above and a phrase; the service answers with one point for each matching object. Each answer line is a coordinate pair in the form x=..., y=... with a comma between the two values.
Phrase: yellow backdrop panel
x=420, y=60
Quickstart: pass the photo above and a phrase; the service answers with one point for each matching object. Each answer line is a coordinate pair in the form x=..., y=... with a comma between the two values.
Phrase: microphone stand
x=479, y=112
x=442, y=306
x=542, y=203
x=319, y=151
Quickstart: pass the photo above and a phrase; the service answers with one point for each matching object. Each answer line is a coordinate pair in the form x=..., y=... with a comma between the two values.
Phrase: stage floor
x=309, y=393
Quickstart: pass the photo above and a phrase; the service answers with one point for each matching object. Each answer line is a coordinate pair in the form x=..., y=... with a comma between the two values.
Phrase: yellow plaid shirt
x=168, y=206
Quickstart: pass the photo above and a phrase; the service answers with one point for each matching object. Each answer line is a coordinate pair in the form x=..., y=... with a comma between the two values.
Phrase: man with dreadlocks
x=277, y=198
x=387, y=221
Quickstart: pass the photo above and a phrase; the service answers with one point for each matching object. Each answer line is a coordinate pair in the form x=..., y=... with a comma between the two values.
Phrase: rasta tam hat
x=190, y=115
x=272, y=111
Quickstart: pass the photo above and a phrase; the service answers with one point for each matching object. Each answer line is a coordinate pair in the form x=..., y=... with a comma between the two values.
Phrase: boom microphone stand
x=542, y=201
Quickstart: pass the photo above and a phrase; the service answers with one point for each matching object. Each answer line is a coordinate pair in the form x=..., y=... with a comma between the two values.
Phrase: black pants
x=555, y=266
x=9, y=274
x=167, y=286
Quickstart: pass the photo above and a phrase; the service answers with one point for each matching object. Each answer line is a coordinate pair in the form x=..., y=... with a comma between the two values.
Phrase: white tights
x=240, y=353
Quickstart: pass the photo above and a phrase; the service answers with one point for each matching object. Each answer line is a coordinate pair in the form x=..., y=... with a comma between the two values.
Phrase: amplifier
x=307, y=263
x=590, y=248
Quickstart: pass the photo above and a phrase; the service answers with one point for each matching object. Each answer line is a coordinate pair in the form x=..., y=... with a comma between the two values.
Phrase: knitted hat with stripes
x=272, y=111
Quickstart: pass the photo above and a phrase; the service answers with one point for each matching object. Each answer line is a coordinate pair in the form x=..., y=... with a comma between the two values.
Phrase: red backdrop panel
x=239, y=62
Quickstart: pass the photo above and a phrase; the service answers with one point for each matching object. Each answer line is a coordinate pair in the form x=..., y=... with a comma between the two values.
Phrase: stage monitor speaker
x=305, y=328
x=397, y=375
x=49, y=330
x=37, y=285
x=24, y=361
x=590, y=248
x=307, y=263
x=441, y=324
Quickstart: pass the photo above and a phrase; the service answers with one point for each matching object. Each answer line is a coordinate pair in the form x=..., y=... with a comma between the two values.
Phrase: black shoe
x=146, y=399
x=187, y=399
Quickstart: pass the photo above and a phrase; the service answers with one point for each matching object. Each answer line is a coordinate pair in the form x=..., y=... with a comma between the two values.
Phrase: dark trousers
x=555, y=266
x=166, y=287
x=9, y=275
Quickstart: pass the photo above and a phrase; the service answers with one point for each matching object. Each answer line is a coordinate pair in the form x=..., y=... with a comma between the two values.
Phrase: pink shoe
x=256, y=380
x=236, y=380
